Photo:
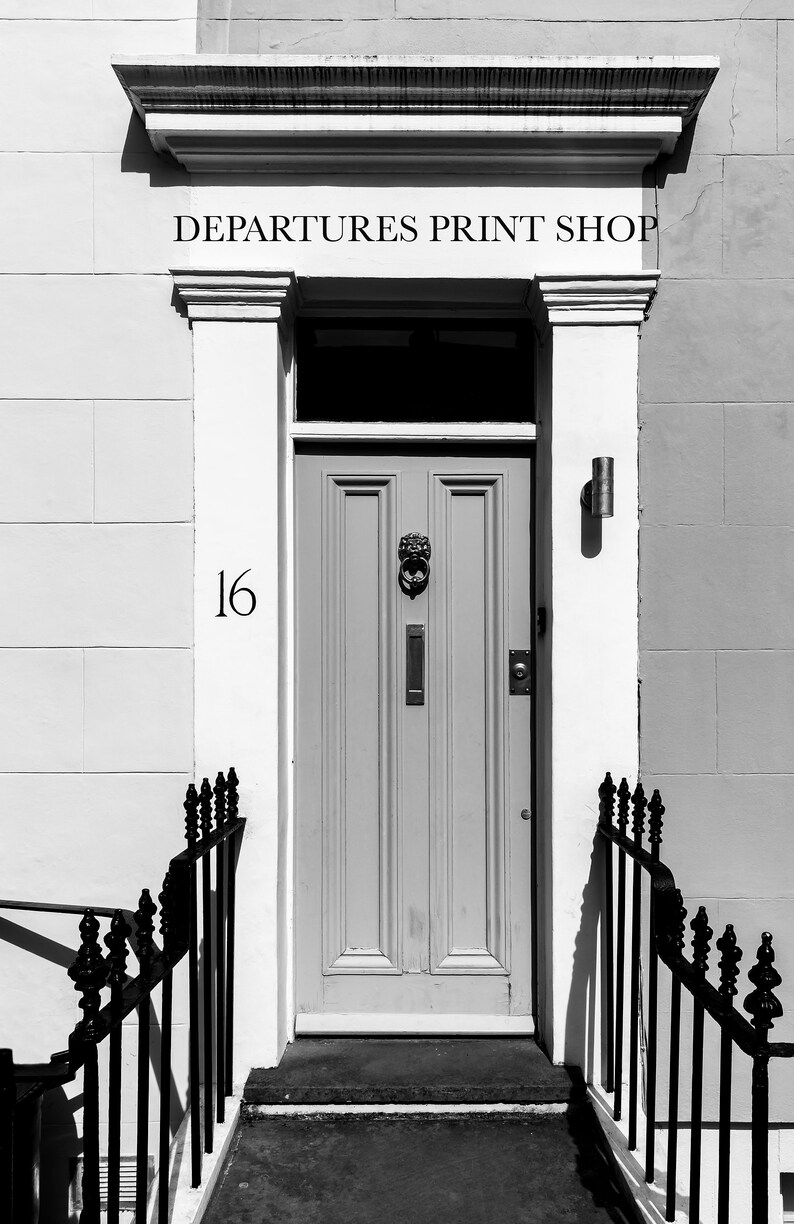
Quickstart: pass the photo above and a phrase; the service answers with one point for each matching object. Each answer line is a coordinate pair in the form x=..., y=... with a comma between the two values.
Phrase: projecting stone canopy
x=417, y=115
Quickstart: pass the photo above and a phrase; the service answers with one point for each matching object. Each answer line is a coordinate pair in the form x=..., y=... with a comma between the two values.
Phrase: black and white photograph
x=397, y=615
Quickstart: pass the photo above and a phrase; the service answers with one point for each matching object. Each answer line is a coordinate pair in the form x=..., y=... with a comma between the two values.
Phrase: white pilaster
x=240, y=322
x=587, y=580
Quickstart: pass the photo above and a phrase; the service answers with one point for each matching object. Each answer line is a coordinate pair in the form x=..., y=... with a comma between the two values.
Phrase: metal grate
x=127, y=1169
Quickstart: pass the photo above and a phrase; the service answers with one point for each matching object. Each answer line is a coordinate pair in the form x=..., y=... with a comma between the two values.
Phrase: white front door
x=413, y=757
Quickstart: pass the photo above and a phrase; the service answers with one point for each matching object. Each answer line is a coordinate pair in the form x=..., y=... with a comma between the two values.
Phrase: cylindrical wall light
x=598, y=495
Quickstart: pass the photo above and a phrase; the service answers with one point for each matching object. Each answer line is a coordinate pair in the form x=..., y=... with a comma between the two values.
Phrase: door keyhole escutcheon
x=519, y=673
x=413, y=553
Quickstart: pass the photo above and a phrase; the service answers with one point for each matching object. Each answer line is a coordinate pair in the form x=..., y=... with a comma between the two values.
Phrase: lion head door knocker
x=414, y=554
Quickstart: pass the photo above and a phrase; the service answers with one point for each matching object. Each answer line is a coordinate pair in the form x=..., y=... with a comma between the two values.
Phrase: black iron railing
x=204, y=932
x=665, y=930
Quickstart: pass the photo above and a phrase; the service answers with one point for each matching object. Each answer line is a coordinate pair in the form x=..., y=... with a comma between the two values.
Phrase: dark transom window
x=376, y=369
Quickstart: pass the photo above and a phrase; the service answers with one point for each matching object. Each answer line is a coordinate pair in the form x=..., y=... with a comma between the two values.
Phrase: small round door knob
x=519, y=671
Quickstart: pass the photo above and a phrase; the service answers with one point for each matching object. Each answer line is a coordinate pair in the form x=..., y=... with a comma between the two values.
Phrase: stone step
x=409, y=1070
x=549, y=1168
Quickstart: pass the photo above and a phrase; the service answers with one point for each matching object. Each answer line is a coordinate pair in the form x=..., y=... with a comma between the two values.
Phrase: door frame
x=586, y=699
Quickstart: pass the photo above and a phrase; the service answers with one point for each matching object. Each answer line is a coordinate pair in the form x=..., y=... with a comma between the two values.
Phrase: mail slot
x=414, y=665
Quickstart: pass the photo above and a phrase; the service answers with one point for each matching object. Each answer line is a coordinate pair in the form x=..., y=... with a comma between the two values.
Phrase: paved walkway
x=481, y=1169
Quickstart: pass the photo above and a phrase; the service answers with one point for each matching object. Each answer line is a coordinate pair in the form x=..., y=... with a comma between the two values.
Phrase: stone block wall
x=96, y=496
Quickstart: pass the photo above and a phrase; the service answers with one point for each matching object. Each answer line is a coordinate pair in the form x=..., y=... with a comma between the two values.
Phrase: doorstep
x=413, y=1070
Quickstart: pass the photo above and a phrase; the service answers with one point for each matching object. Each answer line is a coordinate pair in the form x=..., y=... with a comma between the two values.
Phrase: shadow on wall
x=586, y=991
x=591, y=534
x=595, y=1165
x=61, y=1146
x=138, y=157
x=675, y=162
x=39, y=945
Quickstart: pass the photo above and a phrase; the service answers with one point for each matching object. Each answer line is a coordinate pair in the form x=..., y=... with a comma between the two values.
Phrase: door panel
x=412, y=859
x=357, y=646
x=467, y=745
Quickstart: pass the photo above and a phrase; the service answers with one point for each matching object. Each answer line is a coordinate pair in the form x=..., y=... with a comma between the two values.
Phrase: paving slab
x=517, y=1169
x=405, y=1070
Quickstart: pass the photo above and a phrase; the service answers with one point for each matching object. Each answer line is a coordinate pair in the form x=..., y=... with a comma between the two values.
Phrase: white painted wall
x=241, y=672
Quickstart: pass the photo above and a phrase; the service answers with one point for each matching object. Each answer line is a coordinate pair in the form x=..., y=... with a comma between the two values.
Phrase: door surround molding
x=587, y=404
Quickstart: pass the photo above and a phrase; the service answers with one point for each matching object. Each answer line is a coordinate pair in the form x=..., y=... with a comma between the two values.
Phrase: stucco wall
x=717, y=422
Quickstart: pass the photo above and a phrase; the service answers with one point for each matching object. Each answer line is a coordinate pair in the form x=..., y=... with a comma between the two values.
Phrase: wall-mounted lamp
x=598, y=495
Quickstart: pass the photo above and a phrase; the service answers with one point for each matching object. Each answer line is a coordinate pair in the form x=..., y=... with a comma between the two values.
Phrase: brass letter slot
x=414, y=665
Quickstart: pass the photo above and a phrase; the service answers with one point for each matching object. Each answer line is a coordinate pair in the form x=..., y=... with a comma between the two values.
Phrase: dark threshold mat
x=548, y=1169
x=406, y=1070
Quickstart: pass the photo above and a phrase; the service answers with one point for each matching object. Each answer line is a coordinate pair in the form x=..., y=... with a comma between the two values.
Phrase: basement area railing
x=197, y=921
x=664, y=930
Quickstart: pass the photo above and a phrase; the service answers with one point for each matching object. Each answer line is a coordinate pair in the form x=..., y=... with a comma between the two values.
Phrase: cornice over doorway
x=282, y=114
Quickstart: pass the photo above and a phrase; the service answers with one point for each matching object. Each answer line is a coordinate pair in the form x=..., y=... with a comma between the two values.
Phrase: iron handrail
x=47, y=907
x=664, y=888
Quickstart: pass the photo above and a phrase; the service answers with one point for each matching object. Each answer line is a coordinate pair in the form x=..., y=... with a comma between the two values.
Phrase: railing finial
x=88, y=971
x=191, y=815
x=729, y=964
x=232, y=797
x=762, y=1004
x=679, y=924
x=656, y=811
x=116, y=944
x=169, y=917
x=219, y=791
x=606, y=800
x=205, y=807
x=701, y=937
x=639, y=805
x=624, y=796
x=144, y=941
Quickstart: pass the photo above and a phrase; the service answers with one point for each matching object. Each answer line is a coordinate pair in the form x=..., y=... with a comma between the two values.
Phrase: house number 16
x=236, y=593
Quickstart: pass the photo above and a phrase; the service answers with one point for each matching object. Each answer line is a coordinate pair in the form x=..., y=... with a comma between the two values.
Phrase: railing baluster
x=620, y=967
x=205, y=808
x=700, y=957
x=219, y=790
x=729, y=971
x=675, y=1053
x=144, y=945
x=232, y=801
x=606, y=796
x=638, y=824
x=191, y=835
x=89, y=972
x=168, y=922
x=655, y=813
x=116, y=943
x=764, y=1008
x=90, y=1212
x=8, y=1098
